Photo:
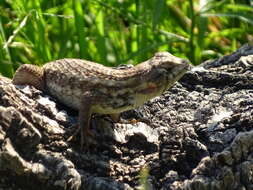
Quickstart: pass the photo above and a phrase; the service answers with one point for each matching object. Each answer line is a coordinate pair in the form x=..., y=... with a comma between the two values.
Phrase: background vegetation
x=120, y=31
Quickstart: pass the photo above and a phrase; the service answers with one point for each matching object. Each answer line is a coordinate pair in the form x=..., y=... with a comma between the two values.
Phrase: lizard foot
x=86, y=137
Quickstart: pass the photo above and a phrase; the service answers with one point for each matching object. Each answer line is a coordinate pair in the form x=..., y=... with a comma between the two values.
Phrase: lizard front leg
x=85, y=112
x=84, y=116
x=89, y=100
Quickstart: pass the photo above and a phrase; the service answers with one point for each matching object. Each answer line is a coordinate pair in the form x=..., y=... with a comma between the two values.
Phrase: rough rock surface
x=198, y=137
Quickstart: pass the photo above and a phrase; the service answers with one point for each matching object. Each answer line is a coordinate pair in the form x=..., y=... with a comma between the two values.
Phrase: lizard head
x=164, y=70
x=169, y=62
x=174, y=67
x=167, y=69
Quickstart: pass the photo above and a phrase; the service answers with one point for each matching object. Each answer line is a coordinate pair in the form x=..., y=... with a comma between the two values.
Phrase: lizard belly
x=68, y=96
x=128, y=100
x=110, y=102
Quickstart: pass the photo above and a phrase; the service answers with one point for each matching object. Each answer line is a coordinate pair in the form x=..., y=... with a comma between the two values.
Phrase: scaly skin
x=93, y=88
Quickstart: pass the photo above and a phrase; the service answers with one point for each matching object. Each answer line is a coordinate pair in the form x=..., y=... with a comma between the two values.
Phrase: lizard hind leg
x=29, y=75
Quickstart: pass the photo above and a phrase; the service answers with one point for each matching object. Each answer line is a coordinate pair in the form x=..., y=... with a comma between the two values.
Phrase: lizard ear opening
x=29, y=75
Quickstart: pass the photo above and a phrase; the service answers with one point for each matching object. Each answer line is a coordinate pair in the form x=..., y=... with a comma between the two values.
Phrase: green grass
x=115, y=32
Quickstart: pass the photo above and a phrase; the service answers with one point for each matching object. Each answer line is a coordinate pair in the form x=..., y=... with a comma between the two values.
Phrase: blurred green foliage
x=120, y=31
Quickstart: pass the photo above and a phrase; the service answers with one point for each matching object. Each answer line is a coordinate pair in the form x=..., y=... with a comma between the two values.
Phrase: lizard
x=90, y=87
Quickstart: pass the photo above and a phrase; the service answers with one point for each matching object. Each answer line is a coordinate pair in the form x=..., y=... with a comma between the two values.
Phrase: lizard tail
x=29, y=75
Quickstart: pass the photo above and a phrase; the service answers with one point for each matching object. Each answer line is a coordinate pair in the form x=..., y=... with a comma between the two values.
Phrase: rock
x=198, y=136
